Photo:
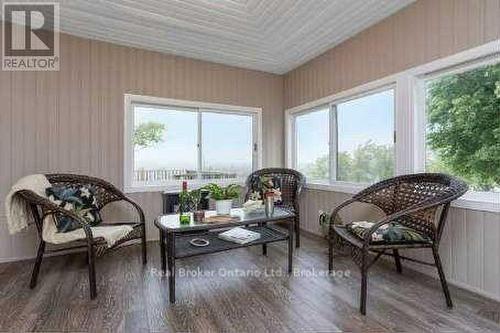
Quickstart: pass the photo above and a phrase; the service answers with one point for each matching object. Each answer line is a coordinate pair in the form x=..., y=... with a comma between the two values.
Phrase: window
x=366, y=138
x=169, y=141
x=462, y=132
x=349, y=140
x=446, y=114
x=227, y=144
x=312, y=148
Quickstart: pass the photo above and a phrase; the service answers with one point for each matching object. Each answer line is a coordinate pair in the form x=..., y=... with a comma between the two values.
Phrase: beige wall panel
x=421, y=32
x=72, y=120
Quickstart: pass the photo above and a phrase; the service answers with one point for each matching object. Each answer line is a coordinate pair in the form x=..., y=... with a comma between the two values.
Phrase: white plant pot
x=223, y=207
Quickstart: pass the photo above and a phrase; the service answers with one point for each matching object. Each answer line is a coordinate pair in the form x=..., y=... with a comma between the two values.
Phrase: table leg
x=162, y=252
x=264, y=246
x=290, y=245
x=171, y=266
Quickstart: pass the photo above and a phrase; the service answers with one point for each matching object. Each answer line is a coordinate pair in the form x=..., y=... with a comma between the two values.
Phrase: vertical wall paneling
x=422, y=32
x=419, y=33
x=72, y=120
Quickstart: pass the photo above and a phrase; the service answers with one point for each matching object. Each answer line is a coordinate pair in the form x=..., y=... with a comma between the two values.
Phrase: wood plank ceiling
x=268, y=35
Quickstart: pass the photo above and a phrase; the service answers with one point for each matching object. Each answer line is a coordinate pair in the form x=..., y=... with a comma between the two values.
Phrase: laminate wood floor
x=133, y=298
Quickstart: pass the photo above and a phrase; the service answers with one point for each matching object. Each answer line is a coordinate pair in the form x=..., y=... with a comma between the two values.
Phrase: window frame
x=410, y=120
x=421, y=100
x=131, y=100
x=350, y=95
x=294, y=131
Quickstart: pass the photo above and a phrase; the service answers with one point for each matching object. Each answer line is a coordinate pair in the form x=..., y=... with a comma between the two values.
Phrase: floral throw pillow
x=79, y=199
x=392, y=232
x=271, y=184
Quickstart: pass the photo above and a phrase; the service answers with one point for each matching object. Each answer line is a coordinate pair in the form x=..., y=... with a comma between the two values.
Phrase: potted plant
x=196, y=196
x=189, y=202
x=223, y=196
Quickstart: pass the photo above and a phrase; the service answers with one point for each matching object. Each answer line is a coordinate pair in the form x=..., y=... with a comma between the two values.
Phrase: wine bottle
x=184, y=217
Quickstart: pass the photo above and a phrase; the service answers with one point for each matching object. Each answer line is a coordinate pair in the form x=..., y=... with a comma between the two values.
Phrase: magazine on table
x=239, y=235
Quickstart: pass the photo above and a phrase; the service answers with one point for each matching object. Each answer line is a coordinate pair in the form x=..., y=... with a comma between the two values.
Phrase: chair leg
x=397, y=259
x=297, y=232
x=143, y=246
x=364, y=283
x=38, y=263
x=442, y=277
x=331, y=236
x=91, y=267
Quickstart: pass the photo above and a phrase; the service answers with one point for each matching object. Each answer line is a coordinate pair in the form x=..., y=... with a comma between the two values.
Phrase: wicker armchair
x=105, y=193
x=291, y=185
x=414, y=201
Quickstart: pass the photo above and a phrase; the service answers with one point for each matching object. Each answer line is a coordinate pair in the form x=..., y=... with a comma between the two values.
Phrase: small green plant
x=196, y=196
x=190, y=200
x=218, y=192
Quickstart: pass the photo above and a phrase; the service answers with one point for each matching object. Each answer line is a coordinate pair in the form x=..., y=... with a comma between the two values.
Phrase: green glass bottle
x=184, y=216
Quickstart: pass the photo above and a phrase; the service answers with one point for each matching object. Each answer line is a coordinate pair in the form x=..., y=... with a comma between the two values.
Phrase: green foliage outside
x=318, y=170
x=368, y=163
x=148, y=134
x=463, y=134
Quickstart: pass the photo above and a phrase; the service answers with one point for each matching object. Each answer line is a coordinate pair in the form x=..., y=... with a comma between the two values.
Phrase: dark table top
x=171, y=223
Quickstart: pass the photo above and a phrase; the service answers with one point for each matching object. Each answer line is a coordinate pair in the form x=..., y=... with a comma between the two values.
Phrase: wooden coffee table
x=175, y=237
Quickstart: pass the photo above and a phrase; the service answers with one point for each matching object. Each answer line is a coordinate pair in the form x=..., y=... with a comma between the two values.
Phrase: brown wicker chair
x=105, y=193
x=291, y=185
x=415, y=201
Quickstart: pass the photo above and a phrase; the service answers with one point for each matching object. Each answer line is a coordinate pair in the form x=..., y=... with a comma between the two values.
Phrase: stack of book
x=239, y=235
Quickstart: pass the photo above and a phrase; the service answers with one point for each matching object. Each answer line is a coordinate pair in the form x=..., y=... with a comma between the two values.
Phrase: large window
x=365, y=132
x=312, y=148
x=462, y=136
x=167, y=143
x=227, y=144
x=446, y=115
x=349, y=140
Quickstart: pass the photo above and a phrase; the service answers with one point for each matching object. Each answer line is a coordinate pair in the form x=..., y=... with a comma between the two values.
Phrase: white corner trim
x=483, y=201
x=341, y=187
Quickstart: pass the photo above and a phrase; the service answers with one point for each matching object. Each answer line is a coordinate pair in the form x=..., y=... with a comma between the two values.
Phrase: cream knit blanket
x=19, y=216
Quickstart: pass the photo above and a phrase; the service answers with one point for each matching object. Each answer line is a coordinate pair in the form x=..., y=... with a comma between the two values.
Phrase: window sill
x=176, y=187
x=482, y=201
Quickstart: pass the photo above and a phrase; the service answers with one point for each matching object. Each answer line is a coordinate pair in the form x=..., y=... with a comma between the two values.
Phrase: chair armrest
x=51, y=208
x=300, y=185
x=337, y=209
x=138, y=209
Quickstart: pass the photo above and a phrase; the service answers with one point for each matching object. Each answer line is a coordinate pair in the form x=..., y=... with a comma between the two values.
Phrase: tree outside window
x=463, y=126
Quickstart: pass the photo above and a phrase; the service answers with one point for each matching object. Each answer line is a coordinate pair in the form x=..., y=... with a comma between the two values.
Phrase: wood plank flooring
x=133, y=298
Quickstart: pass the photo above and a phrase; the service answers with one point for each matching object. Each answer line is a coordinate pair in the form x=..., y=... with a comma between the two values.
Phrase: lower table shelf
x=185, y=249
